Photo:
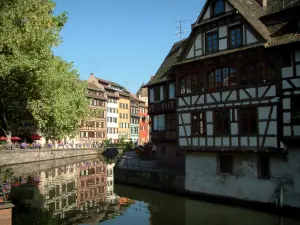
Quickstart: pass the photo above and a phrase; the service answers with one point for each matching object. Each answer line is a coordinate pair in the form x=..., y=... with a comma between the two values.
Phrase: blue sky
x=122, y=41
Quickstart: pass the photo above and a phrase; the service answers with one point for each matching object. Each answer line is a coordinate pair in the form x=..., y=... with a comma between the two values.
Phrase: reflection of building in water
x=111, y=196
x=59, y=189
x=91, y=183
x=91, y=191
x=53, y=190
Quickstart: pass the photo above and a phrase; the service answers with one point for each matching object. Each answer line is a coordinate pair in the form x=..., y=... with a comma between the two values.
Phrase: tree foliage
x=35, y=84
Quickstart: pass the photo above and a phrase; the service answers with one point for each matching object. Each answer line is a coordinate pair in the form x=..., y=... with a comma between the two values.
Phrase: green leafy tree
x=28, y=30
x=62, y=102
x=35, y=85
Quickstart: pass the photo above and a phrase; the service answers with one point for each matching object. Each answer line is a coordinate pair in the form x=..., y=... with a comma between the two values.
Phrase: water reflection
x=84, y=193
x=78, y=193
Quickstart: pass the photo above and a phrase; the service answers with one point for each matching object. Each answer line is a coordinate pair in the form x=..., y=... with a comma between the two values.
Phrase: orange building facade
x=144, y=126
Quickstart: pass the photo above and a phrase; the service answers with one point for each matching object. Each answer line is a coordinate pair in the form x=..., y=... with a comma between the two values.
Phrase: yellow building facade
x=124, y=115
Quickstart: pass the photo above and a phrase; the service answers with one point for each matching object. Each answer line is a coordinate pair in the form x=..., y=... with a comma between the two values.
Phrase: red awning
x=15, y=139
x=35, y=137
x=3, y=138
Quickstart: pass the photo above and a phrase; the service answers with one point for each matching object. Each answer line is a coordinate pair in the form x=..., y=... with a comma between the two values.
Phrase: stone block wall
x=27, y=156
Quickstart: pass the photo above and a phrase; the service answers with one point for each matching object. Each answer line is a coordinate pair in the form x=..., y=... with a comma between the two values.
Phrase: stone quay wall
x=11, y=157
x=163, y=181
x=36, y=167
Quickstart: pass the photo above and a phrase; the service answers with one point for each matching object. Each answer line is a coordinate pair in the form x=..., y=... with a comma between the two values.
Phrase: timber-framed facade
x=237, y=79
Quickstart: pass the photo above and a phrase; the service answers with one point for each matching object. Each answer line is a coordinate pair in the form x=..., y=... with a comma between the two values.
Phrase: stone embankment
x=12, y=157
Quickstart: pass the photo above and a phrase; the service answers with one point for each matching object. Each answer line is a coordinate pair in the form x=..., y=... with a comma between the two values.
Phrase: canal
x=83, y=192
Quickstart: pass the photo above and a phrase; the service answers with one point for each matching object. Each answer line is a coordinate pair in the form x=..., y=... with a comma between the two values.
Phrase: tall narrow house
x=94, y=130
x=162, y=112
x=112, y=111
x=237, y=84
x=134, y=118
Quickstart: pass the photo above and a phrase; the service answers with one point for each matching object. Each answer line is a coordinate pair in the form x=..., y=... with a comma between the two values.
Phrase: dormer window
x=218, y=7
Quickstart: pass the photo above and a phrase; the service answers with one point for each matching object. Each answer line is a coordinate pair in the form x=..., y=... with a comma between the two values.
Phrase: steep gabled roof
x=143, y=91
x=275, y=6
x=134, y=97
x=251, y=10
x=94, y=87
x=170, y=60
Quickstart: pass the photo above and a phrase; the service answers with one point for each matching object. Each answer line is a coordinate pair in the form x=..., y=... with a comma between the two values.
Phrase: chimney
x=264, y=3
x=91, y=74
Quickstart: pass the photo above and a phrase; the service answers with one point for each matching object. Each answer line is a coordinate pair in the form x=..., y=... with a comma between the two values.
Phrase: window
x=151, y=95
x=248, y=76
x=182, y=86
x=171, y=91
x=212, y=42
x=248, y=121
x=198, y=123
x=225, y=164
x=225, y=77
x=161, y=88
x=222, y=121
x=218, y=7
x=295, y=106
x=188, y=89
x=157, y=94
x=186, y=85
x=263, y=167
x=159, y=122
x=235, y=36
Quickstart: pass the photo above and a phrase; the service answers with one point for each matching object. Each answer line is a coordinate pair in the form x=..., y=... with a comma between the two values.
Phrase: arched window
x=223, y=77
x=218, y=7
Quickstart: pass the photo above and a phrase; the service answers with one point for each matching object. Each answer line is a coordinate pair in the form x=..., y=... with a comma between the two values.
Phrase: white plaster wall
x=223, y=44
x=202, y=176
x=228, y=7
x=112, y=125
x=207, y=14
x=191, y=53
x=222, y=31
x=198, y=43
x=250, y=37
x=112, y=136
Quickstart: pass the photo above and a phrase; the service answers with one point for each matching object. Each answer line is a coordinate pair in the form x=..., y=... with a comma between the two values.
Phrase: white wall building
x=112, y=119
x=111, y=196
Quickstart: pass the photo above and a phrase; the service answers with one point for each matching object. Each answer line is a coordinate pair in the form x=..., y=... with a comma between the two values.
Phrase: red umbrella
x=35, y=137
x=3, y=138
x=15, y=139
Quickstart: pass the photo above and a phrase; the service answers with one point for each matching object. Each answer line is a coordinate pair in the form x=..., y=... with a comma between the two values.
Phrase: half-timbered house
x=162, y=112
x=237, y=84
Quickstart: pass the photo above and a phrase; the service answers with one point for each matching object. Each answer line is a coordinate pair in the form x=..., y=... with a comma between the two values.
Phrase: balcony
x=164, y=136
x=134, y=114
x=162, y=107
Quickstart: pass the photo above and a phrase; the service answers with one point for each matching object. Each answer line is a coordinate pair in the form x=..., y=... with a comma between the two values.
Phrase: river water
x=83, y=192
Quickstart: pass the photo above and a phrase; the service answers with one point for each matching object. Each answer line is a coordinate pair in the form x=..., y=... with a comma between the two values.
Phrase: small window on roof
x=218, y=7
